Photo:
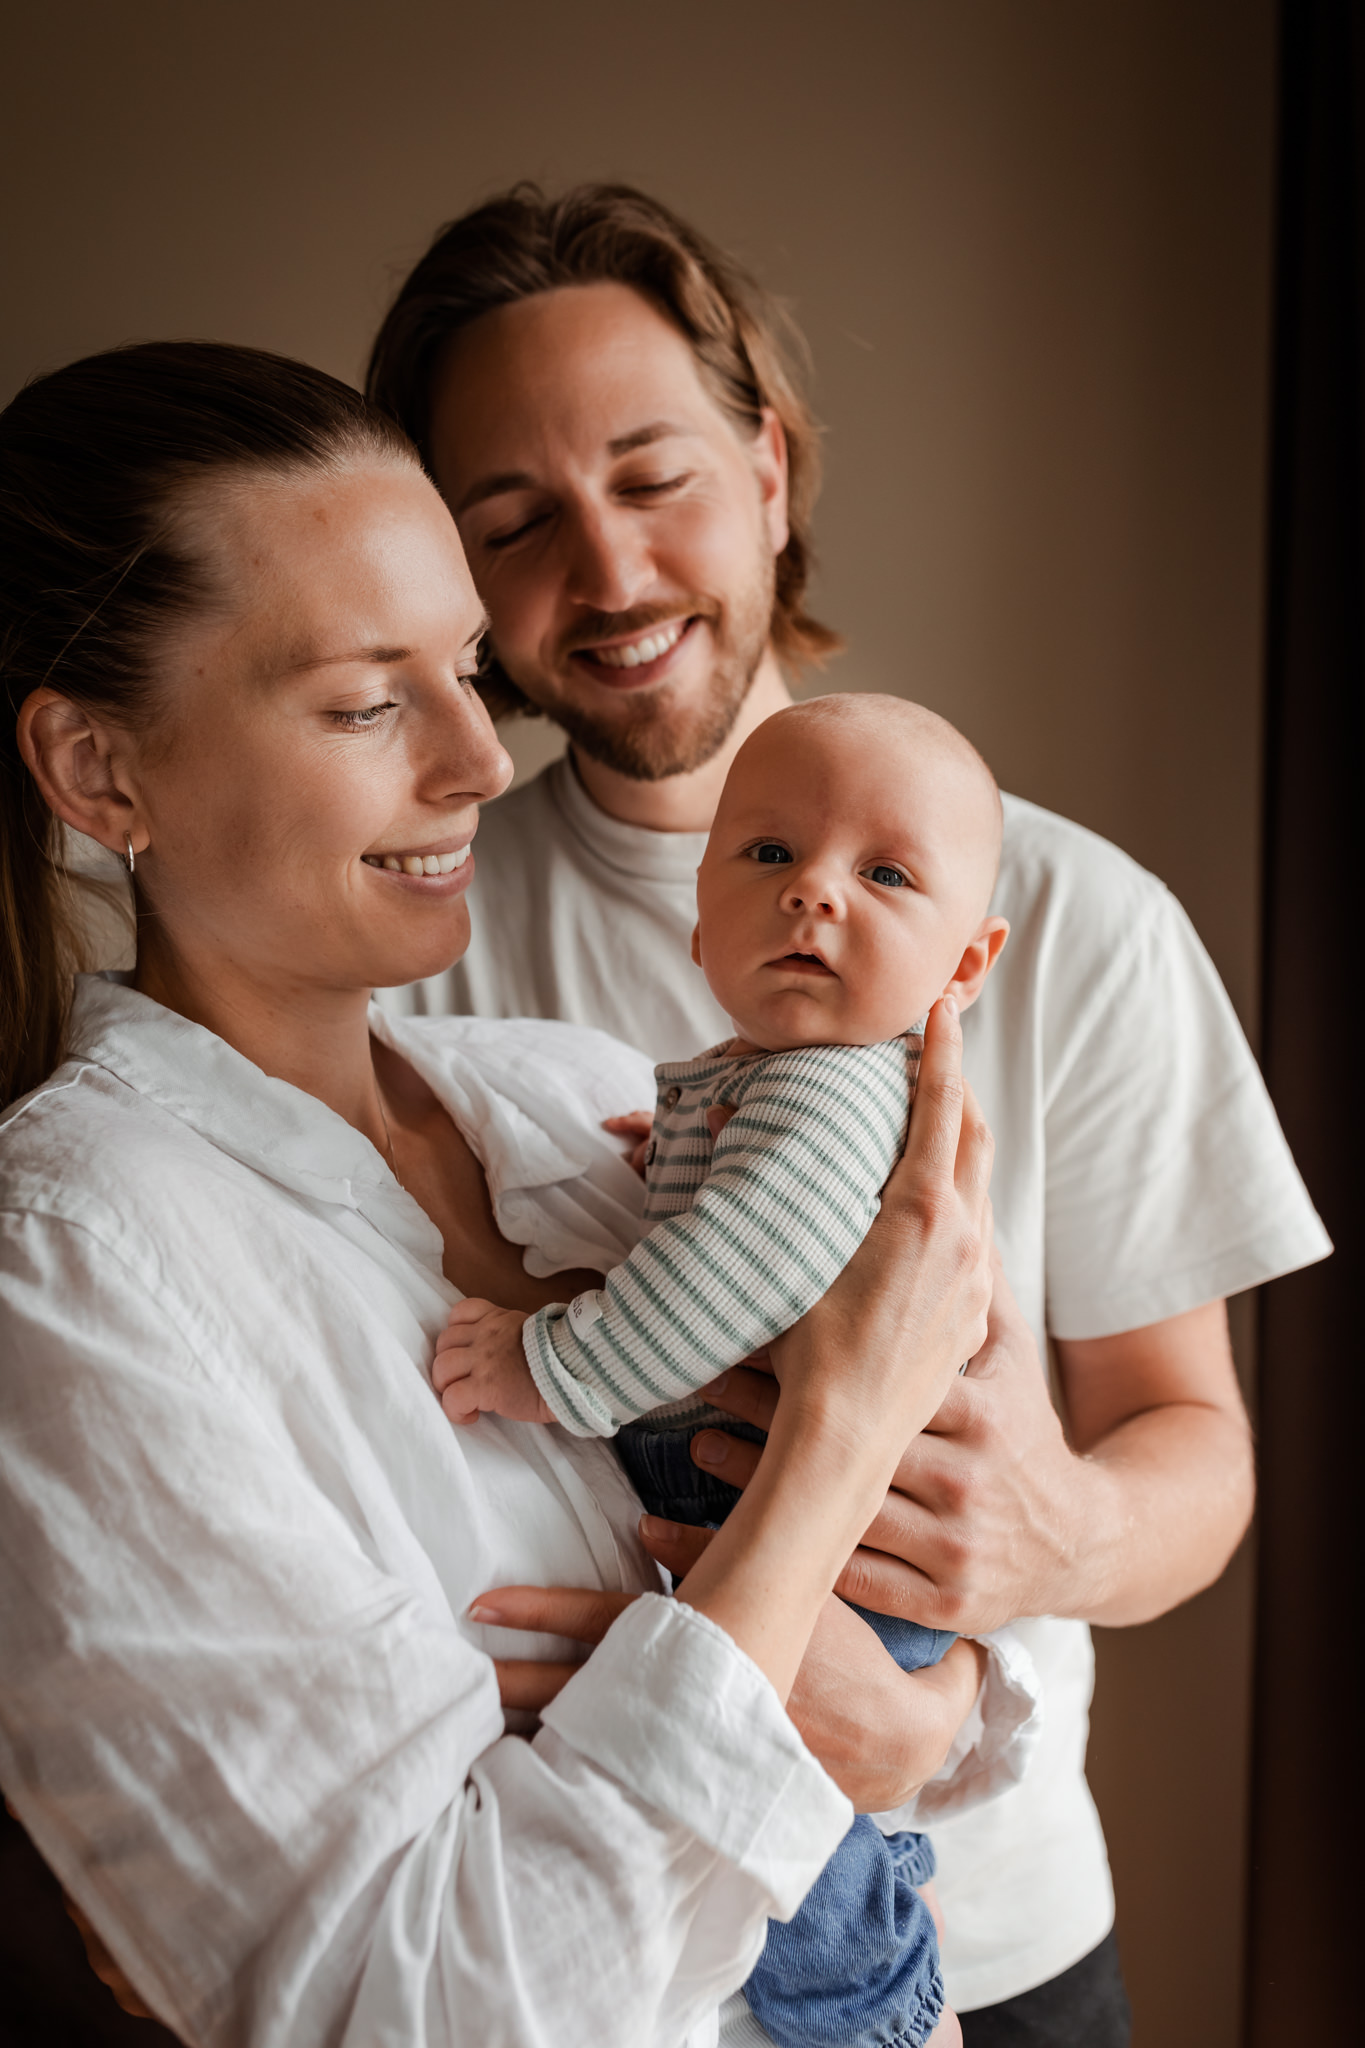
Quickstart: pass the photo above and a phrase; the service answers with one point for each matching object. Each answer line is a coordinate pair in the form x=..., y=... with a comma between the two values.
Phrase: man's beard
x=648, y=737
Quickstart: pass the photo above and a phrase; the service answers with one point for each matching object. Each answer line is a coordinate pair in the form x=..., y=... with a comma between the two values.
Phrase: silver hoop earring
x=128, y=861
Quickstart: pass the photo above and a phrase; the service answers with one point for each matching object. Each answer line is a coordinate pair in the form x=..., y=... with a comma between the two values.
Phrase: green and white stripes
x=744, y=1235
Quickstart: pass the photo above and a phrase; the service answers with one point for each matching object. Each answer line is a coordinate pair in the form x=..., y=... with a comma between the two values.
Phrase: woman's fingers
x=578, y=1612
x=104, y=1966
x=530, y=1686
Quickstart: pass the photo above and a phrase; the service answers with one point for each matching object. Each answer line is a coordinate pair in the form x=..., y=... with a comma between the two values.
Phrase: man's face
x=621, y=531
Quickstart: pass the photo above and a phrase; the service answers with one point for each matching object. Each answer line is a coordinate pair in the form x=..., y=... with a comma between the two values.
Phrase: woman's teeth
x=636, y=652
x=417, y=863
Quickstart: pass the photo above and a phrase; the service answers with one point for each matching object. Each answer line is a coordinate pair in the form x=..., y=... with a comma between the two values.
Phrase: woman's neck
x=317, y=1039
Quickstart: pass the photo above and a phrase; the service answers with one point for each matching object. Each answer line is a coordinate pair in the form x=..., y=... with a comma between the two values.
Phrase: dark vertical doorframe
x=1308, y=1773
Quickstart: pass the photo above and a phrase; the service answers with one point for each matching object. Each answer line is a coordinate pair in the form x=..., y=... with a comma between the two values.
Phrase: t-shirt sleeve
x=1169, y=1182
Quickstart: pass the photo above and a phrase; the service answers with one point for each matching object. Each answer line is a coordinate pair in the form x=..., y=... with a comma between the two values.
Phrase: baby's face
x=847, y=874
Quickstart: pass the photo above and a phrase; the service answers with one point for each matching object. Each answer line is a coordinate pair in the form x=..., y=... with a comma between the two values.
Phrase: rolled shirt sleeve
x=270, y=1766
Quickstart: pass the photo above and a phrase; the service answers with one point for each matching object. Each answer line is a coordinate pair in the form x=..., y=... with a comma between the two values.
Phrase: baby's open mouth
x=805, y=963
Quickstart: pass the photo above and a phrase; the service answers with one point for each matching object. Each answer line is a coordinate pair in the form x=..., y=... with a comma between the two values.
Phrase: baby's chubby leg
x=480, y=1367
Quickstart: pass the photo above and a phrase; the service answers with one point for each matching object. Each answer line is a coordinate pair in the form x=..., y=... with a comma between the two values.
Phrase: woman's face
x=318, y=741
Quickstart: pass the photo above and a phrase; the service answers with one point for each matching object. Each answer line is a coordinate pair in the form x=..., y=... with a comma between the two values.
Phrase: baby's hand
x=480, y=1367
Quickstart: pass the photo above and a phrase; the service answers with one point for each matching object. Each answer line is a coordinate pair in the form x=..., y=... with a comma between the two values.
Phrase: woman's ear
x=976, y=963
x=768, y=453
x=81, y=767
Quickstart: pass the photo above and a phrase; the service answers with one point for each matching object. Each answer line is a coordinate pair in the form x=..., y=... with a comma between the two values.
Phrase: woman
x=248, y=1711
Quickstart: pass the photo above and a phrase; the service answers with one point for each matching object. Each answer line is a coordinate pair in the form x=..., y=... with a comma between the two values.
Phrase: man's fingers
x=528, y=1685
x=674, y=1545
x=747, y=1394
x=936, y=1115
x=729, y=1457
x=581, y=1613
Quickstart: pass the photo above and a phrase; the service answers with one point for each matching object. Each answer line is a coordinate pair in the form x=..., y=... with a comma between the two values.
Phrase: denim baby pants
x=857, y=1964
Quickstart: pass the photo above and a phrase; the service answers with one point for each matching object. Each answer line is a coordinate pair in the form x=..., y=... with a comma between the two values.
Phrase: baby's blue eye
x=770, y=852
x=890, y=878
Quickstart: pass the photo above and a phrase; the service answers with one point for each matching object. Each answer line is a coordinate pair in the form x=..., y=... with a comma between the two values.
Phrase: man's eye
x=770, y=853
x=511, y=534
x=889, y=878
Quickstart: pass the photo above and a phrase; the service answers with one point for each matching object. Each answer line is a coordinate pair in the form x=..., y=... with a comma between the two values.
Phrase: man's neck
x=684, y=803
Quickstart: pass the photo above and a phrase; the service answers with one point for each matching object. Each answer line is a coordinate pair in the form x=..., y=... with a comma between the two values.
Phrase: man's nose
x=609, y=564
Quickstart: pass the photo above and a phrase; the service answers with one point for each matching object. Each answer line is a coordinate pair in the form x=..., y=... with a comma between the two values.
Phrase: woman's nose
x=471, y=761
x=610, y=566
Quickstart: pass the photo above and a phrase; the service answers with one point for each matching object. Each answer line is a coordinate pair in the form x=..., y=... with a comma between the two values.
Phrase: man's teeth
x=636, y=652
x=417, y=863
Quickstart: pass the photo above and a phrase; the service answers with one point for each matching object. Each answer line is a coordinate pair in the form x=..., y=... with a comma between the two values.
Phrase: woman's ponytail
x=95, y=570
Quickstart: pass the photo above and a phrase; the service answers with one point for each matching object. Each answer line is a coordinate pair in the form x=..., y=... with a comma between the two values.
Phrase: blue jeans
x=857, y=1964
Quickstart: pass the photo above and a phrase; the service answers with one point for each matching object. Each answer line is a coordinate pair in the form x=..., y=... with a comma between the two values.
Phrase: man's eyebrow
x=522, y=480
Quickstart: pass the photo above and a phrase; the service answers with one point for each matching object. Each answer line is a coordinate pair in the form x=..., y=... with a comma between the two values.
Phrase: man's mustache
x=593, y=628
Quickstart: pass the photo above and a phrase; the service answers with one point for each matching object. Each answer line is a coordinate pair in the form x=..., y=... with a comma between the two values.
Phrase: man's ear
x=768, y=453
x=82, y=767
x=696, y=945
x=976, y=963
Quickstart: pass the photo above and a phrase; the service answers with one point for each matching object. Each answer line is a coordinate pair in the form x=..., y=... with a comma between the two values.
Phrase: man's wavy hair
x=749, y=351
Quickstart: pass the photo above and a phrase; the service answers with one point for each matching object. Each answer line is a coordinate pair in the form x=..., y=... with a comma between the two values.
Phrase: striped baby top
x=744, y=1233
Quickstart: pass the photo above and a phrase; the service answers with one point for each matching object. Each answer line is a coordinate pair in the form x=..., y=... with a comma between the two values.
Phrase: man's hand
x=880, y=1732
x=993, y=1514
x=480, y=1367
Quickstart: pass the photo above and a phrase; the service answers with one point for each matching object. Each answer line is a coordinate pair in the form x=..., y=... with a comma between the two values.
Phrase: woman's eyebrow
x=378, y=657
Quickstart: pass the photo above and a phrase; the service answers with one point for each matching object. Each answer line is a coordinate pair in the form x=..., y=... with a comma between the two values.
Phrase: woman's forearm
x=770, y=1568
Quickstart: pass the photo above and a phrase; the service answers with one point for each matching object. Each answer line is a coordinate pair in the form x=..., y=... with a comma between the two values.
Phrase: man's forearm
x=1161, y=1503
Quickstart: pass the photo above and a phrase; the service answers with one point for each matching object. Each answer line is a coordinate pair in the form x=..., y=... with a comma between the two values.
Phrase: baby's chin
x=788, y=1022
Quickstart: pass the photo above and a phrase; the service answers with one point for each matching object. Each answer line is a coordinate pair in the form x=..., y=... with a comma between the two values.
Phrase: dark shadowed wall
x=1031, y=248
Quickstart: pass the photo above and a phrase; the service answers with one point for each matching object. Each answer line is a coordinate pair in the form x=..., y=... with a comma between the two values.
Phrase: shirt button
x=673, y=1098
x=650, y=1149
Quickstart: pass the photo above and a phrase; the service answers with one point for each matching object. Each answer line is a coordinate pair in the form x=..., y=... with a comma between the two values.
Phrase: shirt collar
x=633, y=850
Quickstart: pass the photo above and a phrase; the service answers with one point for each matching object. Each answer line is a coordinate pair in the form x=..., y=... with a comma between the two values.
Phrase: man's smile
x=626, y=664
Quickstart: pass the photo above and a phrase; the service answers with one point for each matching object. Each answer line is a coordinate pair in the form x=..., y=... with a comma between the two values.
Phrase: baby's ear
x=696, y=945
x=976, y=963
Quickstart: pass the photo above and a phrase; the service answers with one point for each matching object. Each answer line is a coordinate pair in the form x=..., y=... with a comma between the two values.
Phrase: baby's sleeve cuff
x=574, y=1406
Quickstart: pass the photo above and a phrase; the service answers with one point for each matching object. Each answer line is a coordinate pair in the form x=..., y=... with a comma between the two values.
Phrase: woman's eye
x=889, y=878
x=360, y=721
x=770, y=853
x=656, y=489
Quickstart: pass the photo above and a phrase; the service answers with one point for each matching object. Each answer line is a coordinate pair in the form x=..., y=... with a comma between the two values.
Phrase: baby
x=844, y=889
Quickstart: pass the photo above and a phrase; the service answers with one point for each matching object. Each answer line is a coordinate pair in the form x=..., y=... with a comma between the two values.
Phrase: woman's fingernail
x=480, y=1612
x=950, y=1007
x=720, y=1383
x=658, y=1530
x=710, y=1448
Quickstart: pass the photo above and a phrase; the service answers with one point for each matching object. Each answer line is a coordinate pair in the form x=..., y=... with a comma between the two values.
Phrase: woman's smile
x=435, y=861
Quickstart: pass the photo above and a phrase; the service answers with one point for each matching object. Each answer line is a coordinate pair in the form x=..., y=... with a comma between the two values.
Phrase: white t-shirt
x=1139, y=1172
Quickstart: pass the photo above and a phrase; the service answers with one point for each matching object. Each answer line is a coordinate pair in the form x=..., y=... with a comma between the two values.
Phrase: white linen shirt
x=1139, y=1171
x=242, y=1712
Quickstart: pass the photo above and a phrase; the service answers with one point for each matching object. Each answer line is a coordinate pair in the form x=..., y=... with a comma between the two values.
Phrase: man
x=604, y=402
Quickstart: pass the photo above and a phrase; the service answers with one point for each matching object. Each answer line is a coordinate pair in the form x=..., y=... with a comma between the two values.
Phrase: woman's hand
x=880, y=1732
x=886, y=1340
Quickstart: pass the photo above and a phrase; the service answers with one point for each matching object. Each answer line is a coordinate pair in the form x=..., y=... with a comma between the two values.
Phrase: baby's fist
x=480, y=1367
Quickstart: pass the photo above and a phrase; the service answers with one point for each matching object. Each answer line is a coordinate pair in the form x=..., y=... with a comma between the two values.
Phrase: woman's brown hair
x=95, y=570
x=747, y=349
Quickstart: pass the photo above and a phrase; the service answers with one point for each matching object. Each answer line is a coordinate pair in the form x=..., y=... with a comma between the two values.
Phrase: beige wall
x=1030, y=244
